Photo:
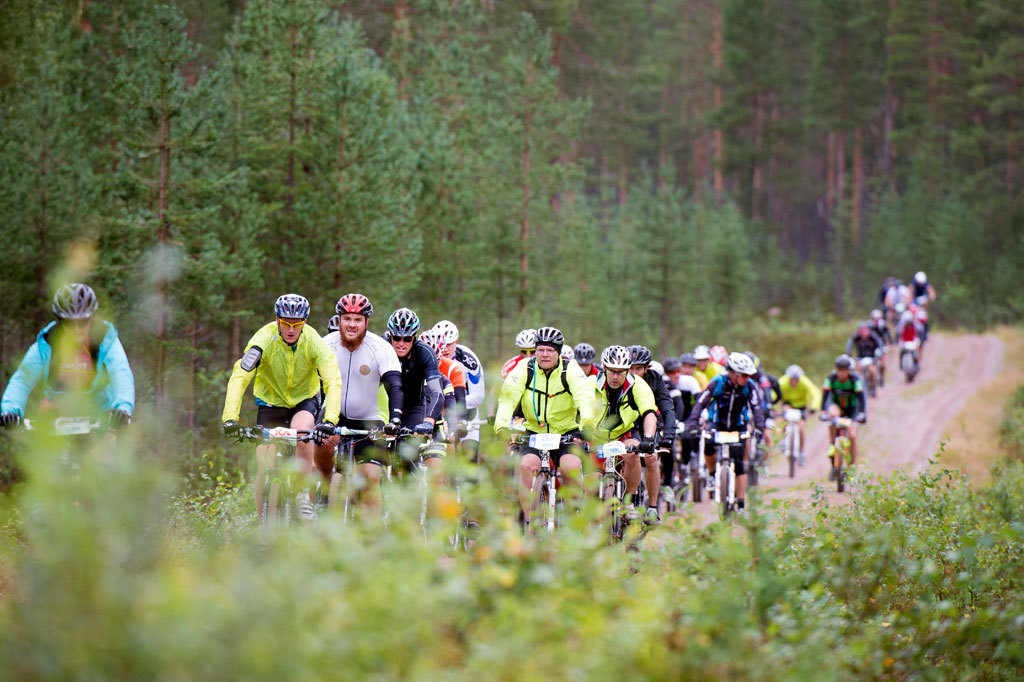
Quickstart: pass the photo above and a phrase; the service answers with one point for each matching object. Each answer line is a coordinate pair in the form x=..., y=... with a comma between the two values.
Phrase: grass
x=974, y=434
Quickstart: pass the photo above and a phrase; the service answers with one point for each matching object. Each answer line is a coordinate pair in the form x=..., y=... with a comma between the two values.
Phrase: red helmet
x=354, y=303
x=719, y=355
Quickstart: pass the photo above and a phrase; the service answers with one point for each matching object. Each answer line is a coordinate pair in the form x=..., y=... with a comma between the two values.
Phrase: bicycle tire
x=538, y=496
x=727, y=473
x=696, y=481
x=274, y=512
x=840, y=483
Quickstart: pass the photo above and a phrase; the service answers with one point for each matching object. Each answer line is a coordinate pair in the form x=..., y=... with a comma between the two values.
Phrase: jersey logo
x=364, y=369
x=475, y=378
x=251, y=359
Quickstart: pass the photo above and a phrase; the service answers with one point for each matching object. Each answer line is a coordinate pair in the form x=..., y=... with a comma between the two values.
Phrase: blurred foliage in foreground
x=107, y=574
x=1011, y=431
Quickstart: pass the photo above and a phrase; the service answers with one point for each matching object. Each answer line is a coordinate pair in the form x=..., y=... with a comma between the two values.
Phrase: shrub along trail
x=906, y=422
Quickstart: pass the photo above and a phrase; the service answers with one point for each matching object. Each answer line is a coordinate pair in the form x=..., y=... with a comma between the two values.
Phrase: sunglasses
x=404, y=339
x=292, y=325
x=617, y=372
x=527, y=352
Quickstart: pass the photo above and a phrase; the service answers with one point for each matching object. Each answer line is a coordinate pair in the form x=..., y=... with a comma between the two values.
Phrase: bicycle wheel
x=696, y=480
x=840, y=456
x=273, y=513
x=727, y=481
x=538, y=499
x=753, y=474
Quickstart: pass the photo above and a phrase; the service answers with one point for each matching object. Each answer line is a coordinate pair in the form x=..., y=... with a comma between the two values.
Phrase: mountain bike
x=72, y=430
x=699, y=476
x=344, y=475
x=867, y=365
x=791, y=437
x=725, y=468
x=909, y=358
x=546, y=481
x=758, y=456
x=398, y=463
x=612, y=490
x=839, y=451
x=281, y=477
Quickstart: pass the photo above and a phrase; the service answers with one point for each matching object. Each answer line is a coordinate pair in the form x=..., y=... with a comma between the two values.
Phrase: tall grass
x=109, y=573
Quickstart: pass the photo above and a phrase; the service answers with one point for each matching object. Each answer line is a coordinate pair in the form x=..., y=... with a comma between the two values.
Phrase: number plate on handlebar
x=727, y=437
x=545, y=441
x=843, y=422
x=72, y=426
x=793, y=415
x=613, y=449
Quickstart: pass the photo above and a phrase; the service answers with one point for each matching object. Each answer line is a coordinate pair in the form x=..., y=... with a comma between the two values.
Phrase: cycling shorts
x=365, y=451
x=272, y=416
x=737, y=452
x=556, y=455
x=408, y=448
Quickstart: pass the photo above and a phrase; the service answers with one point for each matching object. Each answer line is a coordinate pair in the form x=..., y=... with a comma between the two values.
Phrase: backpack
x=530, y=372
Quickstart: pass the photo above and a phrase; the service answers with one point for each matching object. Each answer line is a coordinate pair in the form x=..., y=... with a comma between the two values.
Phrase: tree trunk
x=44, y=257
x=400, y=40
x=162, y=237
x=289, y=199
x=525, y=163
x=338, y=224
x=719, y=138
x=857, y=195
x=830, y=176
x=190, y=399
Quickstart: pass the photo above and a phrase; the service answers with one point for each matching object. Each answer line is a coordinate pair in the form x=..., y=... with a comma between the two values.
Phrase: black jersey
x=421, y=381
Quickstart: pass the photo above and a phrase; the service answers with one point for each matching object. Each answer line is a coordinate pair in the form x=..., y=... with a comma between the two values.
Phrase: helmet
x=920, y=277
x=584, y=353
x=719, y=354
x=672, y=364
x=354, y=303
x=657, y=367
x=844, y=362
x=403, y=322
x=567, y=353
x=907, y=316
x=900, y=307
x=756, y=360
x=292, y=306
x=616, y=357
x=687, y=359
x=794, y=371
x=741, y=364
x=876, y=314
x=641, y=355
x=701, y=353
x=448, y=330
x=434, y=340
x=74, y=302
x=550, y=336
x=526, y=339
x=333, y=323
x=866, y=324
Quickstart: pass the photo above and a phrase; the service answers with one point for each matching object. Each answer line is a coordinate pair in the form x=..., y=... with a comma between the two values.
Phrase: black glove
x=231, y=428
x=9, y=419
x=823, y=416
x=118, y=418
x=461, y=430
x=323, y=431
x=393, y=427
x=861, y=417
x=758, y=434
x=646, y=445
x=665, y=445
x=424, y=428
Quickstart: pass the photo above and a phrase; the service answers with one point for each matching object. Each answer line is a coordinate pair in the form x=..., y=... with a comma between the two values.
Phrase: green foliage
x=1011, y=431
x=918, y=576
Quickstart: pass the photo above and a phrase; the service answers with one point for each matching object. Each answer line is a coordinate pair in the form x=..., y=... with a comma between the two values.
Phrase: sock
x=740, y=504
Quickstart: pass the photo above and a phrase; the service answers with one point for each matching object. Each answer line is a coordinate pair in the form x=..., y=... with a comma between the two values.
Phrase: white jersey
x=688, y=384
x=474, y=376
x=361, y=371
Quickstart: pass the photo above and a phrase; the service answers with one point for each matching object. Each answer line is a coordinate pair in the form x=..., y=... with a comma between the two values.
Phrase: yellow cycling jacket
x=548, y=400
x=285, y=375
x=635, y=401
x=806, y=394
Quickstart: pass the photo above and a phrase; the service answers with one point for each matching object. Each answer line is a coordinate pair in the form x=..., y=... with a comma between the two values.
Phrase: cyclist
x=922, y=290
x=451, y=372
x=333, y=323
x=422, y=393
x=866, y=343
x=474, y=371
x=626, y=411
x=800, y=393
x=909, y=329
x=366, y=361
x=554, y=397
x=526, y=342
x=641, y=367
x=732, y=402
x=705, y=368
x=289, y=361
x=771, y=393
x=842, y=395
x=75, y=353
x=689, y=362
x=585, y=353
x=684, y=389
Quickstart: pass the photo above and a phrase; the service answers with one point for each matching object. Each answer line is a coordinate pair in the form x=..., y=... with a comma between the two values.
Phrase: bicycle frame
x=840, y=448
x=791, y=440
x=725, y=491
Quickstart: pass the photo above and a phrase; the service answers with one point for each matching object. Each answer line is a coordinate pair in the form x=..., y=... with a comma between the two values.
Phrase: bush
x=1011, y=431
x=917, y=577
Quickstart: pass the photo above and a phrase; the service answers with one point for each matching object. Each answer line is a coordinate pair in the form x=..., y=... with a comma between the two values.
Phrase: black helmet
x=688, y=359
x=332, y=324
x=641, y=355
x=550, y=336
x=584, y=353
x=671, y=364
x=844, y=362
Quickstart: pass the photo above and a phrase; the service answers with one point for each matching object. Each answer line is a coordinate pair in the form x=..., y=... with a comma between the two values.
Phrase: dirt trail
x=906, y=422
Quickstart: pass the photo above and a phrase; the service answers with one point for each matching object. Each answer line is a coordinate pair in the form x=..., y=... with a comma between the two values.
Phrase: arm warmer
x=393, y=387
x=434, y=397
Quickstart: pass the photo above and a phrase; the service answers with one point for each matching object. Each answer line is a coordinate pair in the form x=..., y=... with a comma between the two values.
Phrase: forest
x=633, y=172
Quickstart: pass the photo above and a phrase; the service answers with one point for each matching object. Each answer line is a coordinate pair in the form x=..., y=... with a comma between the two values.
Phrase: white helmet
x=876, y=314
x=741, y=364
x=920, y=277
x=448, y=331
x=567, y=353
x=526, y=339
x=658, y=367
x=794, y=371
x=701, y=353
x=907, y=316
x=616, y=357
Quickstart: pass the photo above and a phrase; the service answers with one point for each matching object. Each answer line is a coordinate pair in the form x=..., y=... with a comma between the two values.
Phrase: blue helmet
x=403, y=322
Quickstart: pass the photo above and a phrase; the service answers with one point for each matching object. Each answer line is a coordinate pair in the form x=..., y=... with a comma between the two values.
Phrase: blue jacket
x=113, y=385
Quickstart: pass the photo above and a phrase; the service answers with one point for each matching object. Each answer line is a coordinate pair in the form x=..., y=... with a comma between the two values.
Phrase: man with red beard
x=366, y=361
